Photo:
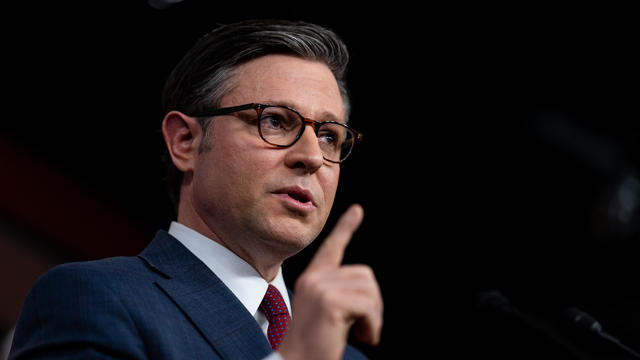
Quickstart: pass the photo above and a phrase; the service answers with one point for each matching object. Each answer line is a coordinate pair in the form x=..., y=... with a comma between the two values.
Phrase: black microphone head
x=582, y=319
x=493, y=301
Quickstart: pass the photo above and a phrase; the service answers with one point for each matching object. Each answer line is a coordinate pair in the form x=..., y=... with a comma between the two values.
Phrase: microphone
x=162, y=4
x=585, y=321
x=494, y=301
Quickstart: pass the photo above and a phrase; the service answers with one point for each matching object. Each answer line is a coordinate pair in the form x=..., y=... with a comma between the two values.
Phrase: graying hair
x=203, y=76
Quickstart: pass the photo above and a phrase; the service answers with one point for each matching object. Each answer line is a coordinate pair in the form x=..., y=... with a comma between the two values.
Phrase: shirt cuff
x=274, y=356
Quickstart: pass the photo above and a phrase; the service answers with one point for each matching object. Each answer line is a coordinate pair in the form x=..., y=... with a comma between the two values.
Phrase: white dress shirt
x=240, y=277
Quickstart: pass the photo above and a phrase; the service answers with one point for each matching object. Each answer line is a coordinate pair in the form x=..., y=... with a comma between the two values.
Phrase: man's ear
x=183, y=135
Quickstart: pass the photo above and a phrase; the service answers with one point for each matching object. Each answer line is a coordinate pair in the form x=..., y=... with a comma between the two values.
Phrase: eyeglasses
x=282, y=126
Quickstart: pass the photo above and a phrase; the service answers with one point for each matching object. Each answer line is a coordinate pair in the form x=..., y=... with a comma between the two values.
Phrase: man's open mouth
x=296, y=193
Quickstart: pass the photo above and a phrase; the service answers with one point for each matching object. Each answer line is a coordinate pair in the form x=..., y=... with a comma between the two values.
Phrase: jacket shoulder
x=78, y=307
x=110, y=272
x=351, y=353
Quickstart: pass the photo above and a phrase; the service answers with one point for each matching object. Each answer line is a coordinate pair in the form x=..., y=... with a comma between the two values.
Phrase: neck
x=262, y=260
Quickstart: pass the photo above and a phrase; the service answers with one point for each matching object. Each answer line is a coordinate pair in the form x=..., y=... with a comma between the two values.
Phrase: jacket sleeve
x=73, y=313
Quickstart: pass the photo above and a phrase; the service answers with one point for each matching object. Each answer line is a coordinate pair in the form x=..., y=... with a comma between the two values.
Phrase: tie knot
x=273, y=304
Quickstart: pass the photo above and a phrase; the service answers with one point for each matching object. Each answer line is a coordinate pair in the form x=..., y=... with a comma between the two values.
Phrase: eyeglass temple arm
x=227, y=110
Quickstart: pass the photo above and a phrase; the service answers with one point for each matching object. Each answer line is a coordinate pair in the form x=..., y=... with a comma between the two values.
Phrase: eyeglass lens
x=281, y=126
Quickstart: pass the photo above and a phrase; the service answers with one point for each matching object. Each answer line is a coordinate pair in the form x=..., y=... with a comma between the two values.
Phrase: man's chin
x=292, y=236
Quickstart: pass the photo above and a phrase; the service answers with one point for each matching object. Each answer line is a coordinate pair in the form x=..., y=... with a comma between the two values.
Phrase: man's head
x=258, y=199
x=203, y=75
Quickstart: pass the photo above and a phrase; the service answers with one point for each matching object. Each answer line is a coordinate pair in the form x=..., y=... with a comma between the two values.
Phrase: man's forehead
x=305, y=85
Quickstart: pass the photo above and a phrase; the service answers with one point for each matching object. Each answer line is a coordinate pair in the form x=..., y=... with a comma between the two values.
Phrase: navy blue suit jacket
x=163, y=304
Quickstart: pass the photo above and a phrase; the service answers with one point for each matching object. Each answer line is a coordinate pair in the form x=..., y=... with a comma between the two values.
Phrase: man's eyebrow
x=327, y=116
x=324, y=116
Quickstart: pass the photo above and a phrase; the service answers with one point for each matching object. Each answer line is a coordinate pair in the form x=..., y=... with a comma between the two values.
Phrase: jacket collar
x=206, y=301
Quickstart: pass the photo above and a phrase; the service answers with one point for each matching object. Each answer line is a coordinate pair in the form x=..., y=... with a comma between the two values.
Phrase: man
x=256, y=180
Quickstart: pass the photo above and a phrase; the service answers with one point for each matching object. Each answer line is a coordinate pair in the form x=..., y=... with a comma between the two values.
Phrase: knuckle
x=367, y=272
x=373, y=305
x=312, y=283
x=326, y=299
x=305, y=282
x=364, y=272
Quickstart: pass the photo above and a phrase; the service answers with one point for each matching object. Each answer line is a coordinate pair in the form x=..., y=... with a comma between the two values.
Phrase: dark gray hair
x=202, y=77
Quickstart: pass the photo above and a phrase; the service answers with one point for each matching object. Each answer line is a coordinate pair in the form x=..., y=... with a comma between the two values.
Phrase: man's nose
x=306, y=152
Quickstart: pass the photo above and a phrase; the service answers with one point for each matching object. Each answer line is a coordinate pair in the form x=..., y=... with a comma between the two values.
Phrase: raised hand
x=331, y=298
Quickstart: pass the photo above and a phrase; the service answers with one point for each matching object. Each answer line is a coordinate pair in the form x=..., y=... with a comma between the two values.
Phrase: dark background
x=501, y=153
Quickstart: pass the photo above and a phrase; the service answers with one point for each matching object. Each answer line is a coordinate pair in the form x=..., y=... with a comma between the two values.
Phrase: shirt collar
x=240, y=277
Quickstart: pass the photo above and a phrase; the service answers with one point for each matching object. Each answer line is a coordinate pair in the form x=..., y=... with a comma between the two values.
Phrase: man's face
x=256, y=197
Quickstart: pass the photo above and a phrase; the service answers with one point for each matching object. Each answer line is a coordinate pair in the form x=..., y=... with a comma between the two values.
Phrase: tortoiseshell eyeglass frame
x=259, y=108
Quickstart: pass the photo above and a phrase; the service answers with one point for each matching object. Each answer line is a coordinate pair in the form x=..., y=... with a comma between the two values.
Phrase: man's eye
x=328, y=137
x=279, y=122
x=272, y=122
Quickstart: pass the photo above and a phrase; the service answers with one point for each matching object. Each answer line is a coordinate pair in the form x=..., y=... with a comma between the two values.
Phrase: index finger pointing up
x=330, y=253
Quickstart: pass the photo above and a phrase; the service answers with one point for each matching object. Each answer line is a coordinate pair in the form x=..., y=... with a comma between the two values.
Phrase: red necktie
x=275, y=309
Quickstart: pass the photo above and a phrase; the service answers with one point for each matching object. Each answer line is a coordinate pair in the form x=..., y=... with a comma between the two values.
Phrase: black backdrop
x=497, y=140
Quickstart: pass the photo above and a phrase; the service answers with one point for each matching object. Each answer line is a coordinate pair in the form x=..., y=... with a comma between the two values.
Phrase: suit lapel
x=205, y=300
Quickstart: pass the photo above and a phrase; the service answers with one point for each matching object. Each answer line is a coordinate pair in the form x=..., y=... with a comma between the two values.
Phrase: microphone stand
x=495, y=301
x=584, y=320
